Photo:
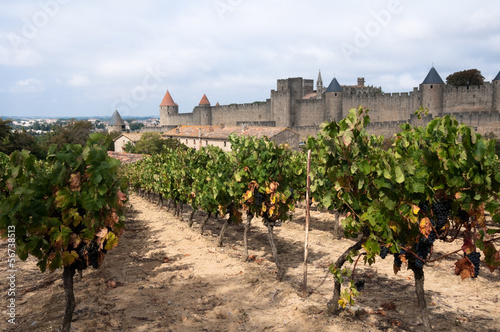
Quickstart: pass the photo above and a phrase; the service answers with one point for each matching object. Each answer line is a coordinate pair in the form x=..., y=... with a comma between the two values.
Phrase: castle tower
x=167, y=109
x=202, y=114
x=319, y=87
x=432, y=93
x=116, y=123
x=333, y=101
x=496, y=93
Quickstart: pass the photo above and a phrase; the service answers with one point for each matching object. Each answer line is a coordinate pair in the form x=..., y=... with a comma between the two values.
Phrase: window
x=431, y=86
x=194, y=142
x=206, y=143
x=186, y=141
x=224, y=143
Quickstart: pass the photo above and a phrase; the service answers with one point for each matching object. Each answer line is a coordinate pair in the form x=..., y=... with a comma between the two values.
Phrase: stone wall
x=476, y=106
x=231, y=114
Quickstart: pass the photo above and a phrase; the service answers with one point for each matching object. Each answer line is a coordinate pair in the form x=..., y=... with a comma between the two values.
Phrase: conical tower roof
x=433, y=77
x=167, y=100
x=497, y=77
x=116, y=119
x=334, y=86
x=204, y=101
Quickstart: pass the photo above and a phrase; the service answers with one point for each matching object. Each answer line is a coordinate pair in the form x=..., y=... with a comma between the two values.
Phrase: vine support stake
x=308, y=212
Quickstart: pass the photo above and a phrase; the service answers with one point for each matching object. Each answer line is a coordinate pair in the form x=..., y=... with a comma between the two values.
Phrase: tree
x=153, y=143
x=136, y=125
x=75, y=132
x=5, y=129
x=22, y=140
x=465, y=78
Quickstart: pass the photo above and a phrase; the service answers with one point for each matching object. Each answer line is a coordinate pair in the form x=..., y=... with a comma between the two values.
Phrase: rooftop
x=223, y=132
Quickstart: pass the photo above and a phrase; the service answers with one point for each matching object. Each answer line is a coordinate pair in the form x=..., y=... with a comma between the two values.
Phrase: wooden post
x=308, y=210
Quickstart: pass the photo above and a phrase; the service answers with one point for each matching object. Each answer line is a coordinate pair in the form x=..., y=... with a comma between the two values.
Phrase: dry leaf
x=464, y=268
x=425, y=227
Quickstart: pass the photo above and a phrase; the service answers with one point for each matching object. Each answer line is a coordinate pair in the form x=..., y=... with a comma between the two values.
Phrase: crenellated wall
x=477, y=106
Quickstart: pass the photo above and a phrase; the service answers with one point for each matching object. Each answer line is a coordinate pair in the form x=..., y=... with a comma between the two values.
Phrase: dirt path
x=166, y=277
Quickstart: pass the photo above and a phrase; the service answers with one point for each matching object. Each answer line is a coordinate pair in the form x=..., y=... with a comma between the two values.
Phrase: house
x=124, y=139
x=198, y=136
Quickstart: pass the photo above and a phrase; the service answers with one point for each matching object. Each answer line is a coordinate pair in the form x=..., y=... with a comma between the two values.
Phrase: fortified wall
x=300, y=106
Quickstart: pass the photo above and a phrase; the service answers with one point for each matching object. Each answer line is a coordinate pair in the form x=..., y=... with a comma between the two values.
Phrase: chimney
x=177, y=130
x=243, y=128
x=221, y=126
x=210, y=128
x=361, y=81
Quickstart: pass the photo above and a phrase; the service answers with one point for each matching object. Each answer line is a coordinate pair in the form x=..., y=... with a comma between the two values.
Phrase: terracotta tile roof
x=134, y=137
x=167, y=100
x=125, y=158
x=204, y=101
x=311, y=95
x=223, y=132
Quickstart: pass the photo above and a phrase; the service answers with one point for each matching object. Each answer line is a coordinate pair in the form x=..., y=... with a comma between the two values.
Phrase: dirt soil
x=165, y=276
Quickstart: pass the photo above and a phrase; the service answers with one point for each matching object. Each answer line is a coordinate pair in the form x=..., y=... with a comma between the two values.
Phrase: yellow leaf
x=248, y=195
x=425, y=227
x=415, y=209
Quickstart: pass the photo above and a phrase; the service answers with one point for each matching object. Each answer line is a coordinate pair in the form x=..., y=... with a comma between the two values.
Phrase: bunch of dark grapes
x=397, y=258
x=424, y=207
x=259, y=199
x=360, y=285
x=463, y=215
x=441, y=211
x=383, y=252
x=422, y=250
x=91, y=251
x=474, y=259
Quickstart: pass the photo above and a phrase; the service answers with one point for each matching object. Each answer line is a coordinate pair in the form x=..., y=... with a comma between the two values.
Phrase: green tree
x=22, y=140
x=153, y=143
x=136, y=126
x=75, y=132
x=5, y=128
x=465, y=78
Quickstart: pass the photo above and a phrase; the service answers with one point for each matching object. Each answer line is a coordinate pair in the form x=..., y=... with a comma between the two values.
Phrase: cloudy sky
x=86, y=58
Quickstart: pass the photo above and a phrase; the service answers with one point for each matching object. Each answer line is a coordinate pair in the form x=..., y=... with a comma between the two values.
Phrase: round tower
x=167, y=109
x=333, y=101
x=202, y=113
x=432, y=93
x=496, y=93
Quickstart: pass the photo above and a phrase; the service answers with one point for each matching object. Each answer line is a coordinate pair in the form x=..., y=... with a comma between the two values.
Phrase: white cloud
x=30, y=85
x=79, y=81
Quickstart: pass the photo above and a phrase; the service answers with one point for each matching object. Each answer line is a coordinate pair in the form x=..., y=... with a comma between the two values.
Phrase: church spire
x=320, y=80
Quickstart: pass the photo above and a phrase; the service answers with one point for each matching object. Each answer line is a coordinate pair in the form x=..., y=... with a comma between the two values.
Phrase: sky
x=69, y=58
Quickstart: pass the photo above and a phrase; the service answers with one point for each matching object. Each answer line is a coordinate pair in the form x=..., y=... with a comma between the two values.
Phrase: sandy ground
x=164, y=276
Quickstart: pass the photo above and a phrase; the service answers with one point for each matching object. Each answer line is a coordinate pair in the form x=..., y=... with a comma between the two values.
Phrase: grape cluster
x=360, y=285
x=423, y=249
x=397, y=257
x=383, y=252
x=474, y=259
x=441, y=209
x=424, y=207
x=89, y=251
x=259, y=198
x=463, y=215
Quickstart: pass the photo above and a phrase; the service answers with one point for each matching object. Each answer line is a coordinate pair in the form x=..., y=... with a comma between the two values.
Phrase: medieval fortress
x=296, y=104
